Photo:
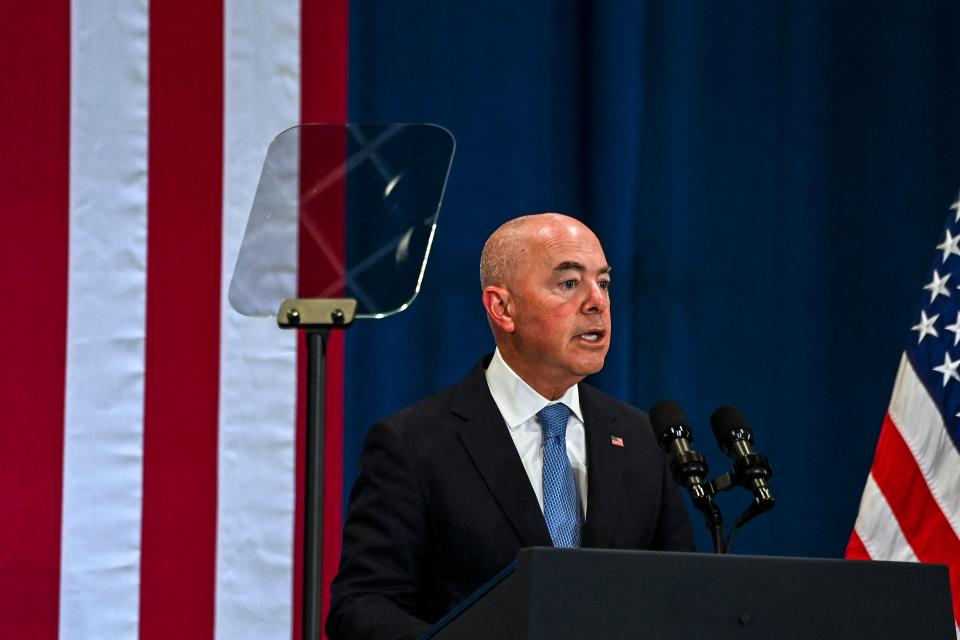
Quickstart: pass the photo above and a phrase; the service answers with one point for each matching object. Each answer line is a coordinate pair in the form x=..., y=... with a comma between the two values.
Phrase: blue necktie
x=560, y=505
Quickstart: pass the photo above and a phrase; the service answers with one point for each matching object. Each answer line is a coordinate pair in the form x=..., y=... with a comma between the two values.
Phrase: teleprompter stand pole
x=316, y=317
x=313, y=491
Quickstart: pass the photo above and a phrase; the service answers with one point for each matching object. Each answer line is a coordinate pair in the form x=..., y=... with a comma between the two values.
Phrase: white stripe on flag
x=258, y=360
x=921, y=425
x=103, y=431
x=878, y=527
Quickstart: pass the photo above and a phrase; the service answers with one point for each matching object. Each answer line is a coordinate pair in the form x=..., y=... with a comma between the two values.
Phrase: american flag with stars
x=910, y=509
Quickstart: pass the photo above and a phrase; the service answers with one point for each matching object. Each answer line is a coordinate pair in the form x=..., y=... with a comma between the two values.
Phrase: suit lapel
x=605, y=467
x=486, y=439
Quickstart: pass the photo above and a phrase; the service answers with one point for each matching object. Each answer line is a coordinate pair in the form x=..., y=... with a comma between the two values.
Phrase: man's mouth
x=591, y=336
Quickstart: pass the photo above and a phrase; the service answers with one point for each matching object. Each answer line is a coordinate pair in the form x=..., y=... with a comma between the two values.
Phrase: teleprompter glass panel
x=343, y=211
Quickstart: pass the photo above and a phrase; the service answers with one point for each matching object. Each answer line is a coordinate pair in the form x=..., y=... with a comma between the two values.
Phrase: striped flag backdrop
x=148, y=452
x=910, y=509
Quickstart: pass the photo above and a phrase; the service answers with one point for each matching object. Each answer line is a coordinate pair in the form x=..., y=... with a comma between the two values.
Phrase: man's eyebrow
x=576, y=266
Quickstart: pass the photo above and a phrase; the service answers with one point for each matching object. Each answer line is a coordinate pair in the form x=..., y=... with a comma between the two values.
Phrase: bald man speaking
x=520, y=453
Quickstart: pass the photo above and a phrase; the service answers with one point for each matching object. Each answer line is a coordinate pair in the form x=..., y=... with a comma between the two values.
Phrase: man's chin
x=590, y=366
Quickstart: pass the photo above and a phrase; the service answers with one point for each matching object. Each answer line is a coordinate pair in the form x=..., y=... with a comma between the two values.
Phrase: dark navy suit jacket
x=443, y=503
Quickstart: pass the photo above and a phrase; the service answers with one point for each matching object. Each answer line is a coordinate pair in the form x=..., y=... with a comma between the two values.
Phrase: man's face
x=560, y=301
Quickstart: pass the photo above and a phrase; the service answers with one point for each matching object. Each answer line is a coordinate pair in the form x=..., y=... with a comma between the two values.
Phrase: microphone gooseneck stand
x=693, y=464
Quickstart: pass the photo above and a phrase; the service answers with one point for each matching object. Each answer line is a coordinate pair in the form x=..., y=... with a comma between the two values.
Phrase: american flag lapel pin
x=616, y=441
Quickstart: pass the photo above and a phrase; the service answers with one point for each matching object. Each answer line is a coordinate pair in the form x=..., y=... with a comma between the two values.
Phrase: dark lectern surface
x=604, y=594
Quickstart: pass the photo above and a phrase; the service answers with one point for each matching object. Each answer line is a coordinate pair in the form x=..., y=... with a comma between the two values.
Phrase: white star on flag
x=956, y=207
x=925, y=327
x=955, y=328
x=948, y=369
x=938, y=286
x=949, y=246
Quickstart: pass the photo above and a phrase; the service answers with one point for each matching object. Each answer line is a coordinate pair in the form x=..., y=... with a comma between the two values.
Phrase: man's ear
x=496, y=300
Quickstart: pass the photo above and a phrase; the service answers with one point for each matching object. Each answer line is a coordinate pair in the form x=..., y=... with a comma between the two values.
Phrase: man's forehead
x=580, y=252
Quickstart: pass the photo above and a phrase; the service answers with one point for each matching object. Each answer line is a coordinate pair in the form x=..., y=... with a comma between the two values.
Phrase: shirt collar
x=517, y=400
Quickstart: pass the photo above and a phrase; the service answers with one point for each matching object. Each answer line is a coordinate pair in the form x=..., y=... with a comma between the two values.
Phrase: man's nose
x=597, y=300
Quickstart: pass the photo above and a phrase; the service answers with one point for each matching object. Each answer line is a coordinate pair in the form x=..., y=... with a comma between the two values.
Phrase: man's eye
x=604, y=284
x=568, y=284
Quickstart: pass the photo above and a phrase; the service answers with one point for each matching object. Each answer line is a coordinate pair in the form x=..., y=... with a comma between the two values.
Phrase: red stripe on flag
x=324, y=39
x=856, y=549
x=183, y=321
x=920, y=518
x=34, y=174
x=322, y=217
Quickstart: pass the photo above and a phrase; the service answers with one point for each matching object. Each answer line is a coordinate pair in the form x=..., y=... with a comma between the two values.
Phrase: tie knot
x=553, y=420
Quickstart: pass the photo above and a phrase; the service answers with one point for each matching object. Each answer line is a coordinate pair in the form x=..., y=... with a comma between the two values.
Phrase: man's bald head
x=507, y=247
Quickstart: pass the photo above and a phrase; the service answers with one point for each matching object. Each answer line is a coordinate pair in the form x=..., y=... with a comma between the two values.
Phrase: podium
x=605, y=594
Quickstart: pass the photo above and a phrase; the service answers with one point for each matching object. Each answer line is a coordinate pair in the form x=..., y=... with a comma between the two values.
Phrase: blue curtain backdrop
x=768, y=179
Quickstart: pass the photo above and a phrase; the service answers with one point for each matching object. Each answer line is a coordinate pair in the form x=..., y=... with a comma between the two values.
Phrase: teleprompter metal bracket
x=316, y=313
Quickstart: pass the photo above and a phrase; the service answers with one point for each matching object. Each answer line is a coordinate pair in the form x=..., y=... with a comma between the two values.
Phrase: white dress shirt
x=519, y=405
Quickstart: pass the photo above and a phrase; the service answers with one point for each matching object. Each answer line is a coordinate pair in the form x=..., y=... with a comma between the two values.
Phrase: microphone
x=689, y=467
x=750, y=469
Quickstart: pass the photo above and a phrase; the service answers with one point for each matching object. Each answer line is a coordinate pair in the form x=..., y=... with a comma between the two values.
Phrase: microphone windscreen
x=726, y=419
x=666, y=414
